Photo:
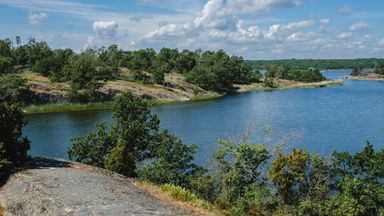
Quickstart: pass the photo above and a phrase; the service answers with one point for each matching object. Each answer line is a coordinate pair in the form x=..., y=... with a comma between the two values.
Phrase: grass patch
x=67, y=107
x=207, y=96
x=181, y=197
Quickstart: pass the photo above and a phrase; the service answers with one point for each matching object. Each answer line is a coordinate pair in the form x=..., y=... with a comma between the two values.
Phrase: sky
x=255, y=29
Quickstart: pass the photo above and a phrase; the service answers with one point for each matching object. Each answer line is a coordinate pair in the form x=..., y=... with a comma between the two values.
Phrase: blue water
x=321, y=120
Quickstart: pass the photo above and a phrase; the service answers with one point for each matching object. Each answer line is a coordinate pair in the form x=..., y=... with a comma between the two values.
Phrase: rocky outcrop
x=54, y=187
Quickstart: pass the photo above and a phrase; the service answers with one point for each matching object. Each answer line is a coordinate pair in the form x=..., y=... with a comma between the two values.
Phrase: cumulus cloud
x=105, y=32
x=36, y=18
x=345, y=10
x=219, y=19
x=360, y=26
x=298, y=25
x=344, y=35
x=105, y=29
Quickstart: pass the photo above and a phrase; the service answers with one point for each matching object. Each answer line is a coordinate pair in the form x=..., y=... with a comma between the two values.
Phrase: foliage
x=380, y=69
x=5, y=65
x=171, y=161
x=13, y=147
x=285, y=72
x=135, y=138
x=239, y=169
x=84, y=84
x=320, y=64
x=288, y=173
x=356, y=71
x=179, y=193
x=14, y=89
x=93, y=148
x=216, y=71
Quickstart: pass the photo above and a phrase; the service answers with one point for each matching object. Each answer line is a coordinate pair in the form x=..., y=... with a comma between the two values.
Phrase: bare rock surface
x=53, y=187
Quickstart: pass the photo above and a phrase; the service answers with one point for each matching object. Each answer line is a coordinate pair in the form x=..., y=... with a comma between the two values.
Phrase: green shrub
x=13, y=147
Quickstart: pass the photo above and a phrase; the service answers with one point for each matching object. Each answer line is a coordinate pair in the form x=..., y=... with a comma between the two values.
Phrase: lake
x=320, y=120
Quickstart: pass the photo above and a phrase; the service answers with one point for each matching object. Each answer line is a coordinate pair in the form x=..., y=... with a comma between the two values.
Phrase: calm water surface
x=320, y=120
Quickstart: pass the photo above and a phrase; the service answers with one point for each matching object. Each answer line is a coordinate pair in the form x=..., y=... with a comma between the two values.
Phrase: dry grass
x=287, y=84
x=2, y=210
x=166, y=196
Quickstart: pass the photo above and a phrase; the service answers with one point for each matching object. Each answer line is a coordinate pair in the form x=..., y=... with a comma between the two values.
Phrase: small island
x=376, y=74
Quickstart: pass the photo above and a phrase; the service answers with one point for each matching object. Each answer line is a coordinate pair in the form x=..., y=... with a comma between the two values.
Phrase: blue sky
x=255, y=29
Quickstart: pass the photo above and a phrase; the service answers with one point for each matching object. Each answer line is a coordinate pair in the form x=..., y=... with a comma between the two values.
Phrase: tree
x=36, y=51
x=93, y=148
x=134, y=130
x=83, y=76
x=171, y=161
x=166, y=58
x=186, y=61
x=5, y=65
x=15, y=90
x=356, y=71
x=128, y=141
x=288, y=173
x=13, y=146
x=239, y=168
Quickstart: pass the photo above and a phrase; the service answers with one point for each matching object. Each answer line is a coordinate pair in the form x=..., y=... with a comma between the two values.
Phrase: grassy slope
x=178, y=91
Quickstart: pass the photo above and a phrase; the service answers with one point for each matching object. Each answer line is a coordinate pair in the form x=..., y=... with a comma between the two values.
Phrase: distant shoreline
x=80, y=107
x=370, y=76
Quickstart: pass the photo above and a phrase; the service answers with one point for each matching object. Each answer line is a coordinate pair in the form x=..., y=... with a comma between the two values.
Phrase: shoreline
x=80, y=107
x=367, y=78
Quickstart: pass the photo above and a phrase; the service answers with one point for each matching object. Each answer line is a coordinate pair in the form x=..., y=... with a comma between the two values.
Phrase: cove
x=320, y=120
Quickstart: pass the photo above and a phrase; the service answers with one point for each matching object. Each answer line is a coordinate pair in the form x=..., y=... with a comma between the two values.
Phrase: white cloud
x=344, y=35
x=36, y=18
x=298, y=25
x=381, y=42
x=252, y=6
x=360, y=26
x=325, y=21
x=167, y=30
x=345, y=10
x=105, y=33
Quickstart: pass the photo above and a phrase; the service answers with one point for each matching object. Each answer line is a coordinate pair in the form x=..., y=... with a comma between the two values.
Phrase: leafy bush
x=14, y=89
x=13, y=147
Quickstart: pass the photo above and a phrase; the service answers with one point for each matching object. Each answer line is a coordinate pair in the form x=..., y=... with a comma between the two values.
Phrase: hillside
x=175, y=89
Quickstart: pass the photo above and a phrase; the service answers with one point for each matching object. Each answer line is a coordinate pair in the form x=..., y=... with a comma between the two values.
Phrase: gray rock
x=51, y=187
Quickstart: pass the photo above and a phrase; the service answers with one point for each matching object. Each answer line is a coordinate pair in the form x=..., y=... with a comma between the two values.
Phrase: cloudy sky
x=255, y=29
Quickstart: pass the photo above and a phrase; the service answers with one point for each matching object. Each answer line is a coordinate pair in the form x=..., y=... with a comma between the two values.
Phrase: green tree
x=134, y=130
x=239, y=169
x=15, y=90
x=93, y=148
x=5, y=65
x=186, y=61
x=288, y=173
x=83, y=76
x=356, y=71
x=171, y=161
x=128, y=141
x=13, y=146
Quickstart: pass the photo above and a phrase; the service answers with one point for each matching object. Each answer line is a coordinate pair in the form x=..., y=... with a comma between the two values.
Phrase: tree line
x=320, y=64
x=87, y=70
